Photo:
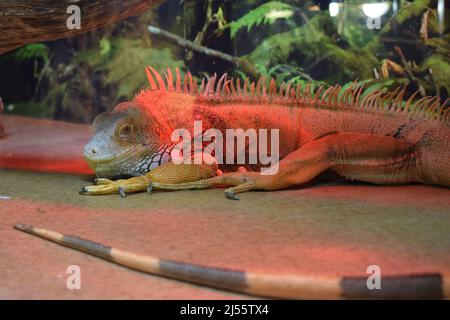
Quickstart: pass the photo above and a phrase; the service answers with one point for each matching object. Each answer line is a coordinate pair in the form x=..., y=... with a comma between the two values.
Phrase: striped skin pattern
x=287, y=286
x=373, y=137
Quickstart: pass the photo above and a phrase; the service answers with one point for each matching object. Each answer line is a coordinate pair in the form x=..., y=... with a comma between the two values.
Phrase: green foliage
x=355, y=30
x=313, y=45
x=284, y=73
x=356, y=34
x=266, y=13
x=306, y=39
x=439, y=64
x=105, y=47
x=124, y=62
x=32, y=51
x=370, y=85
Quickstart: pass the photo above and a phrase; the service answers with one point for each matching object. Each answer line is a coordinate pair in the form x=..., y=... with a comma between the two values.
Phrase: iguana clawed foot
x=168, y=173
x=231, y=195
x=122, y=186
x=177, y=177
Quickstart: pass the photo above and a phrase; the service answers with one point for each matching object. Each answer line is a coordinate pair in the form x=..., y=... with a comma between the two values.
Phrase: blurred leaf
x=266, y=13
x=32, y=51
x=124, y=65
x=240, y=74
x=105, y=47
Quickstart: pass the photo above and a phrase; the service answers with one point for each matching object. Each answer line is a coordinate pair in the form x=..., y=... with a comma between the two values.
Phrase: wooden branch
x=202, y=33
x=244, y=64
x=29, y=21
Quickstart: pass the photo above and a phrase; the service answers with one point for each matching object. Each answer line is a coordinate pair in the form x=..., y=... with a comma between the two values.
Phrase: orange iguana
x=373, y=137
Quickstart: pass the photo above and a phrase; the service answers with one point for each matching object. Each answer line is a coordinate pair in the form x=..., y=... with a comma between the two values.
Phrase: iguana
x=373, y=137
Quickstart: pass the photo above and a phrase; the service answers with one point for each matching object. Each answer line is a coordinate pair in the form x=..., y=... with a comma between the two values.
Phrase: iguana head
x=125, y=143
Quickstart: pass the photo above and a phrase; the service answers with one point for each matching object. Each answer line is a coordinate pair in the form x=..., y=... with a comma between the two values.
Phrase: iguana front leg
x=365, y=157
x=166, y=173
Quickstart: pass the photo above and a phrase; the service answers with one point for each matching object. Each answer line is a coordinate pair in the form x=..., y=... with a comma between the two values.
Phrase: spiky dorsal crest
x=231, y=90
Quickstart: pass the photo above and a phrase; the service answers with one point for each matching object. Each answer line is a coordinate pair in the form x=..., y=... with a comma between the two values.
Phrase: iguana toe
x=231, y=195
x=122, y=192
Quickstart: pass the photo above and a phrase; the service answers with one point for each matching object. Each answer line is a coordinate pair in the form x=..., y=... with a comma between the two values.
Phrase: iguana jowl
x=374, y=137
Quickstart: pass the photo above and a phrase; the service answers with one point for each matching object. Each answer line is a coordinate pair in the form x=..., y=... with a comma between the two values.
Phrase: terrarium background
x=76, y=78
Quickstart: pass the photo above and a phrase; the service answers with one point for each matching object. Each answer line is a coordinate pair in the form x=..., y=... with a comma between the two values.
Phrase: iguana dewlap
x=373, y=137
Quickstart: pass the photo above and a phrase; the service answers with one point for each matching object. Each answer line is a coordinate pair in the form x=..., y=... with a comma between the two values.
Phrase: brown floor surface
x=330, y=229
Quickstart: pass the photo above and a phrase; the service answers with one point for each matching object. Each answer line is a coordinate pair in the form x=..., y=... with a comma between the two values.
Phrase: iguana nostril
x=93, y=151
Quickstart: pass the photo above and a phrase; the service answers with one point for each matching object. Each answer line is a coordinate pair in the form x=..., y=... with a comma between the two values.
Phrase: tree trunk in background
x=29, y=21
x=2, y=129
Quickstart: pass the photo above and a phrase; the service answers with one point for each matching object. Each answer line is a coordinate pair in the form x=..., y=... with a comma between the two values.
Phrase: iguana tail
x=290, y=286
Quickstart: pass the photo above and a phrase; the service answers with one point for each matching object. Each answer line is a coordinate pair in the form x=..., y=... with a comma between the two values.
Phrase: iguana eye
x=125, y=132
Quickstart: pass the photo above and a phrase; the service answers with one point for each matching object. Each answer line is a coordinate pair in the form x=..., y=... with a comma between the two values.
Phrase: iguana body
x=373, y=138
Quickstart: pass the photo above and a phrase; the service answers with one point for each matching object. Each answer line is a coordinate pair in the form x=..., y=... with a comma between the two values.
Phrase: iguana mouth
x=109, y=165
x=93, y=158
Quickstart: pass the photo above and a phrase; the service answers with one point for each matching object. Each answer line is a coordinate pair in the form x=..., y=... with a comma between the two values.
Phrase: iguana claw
x=83, y=191
x=231, y=195
x=105, y=186
x=163, y=174
x=122, y=192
